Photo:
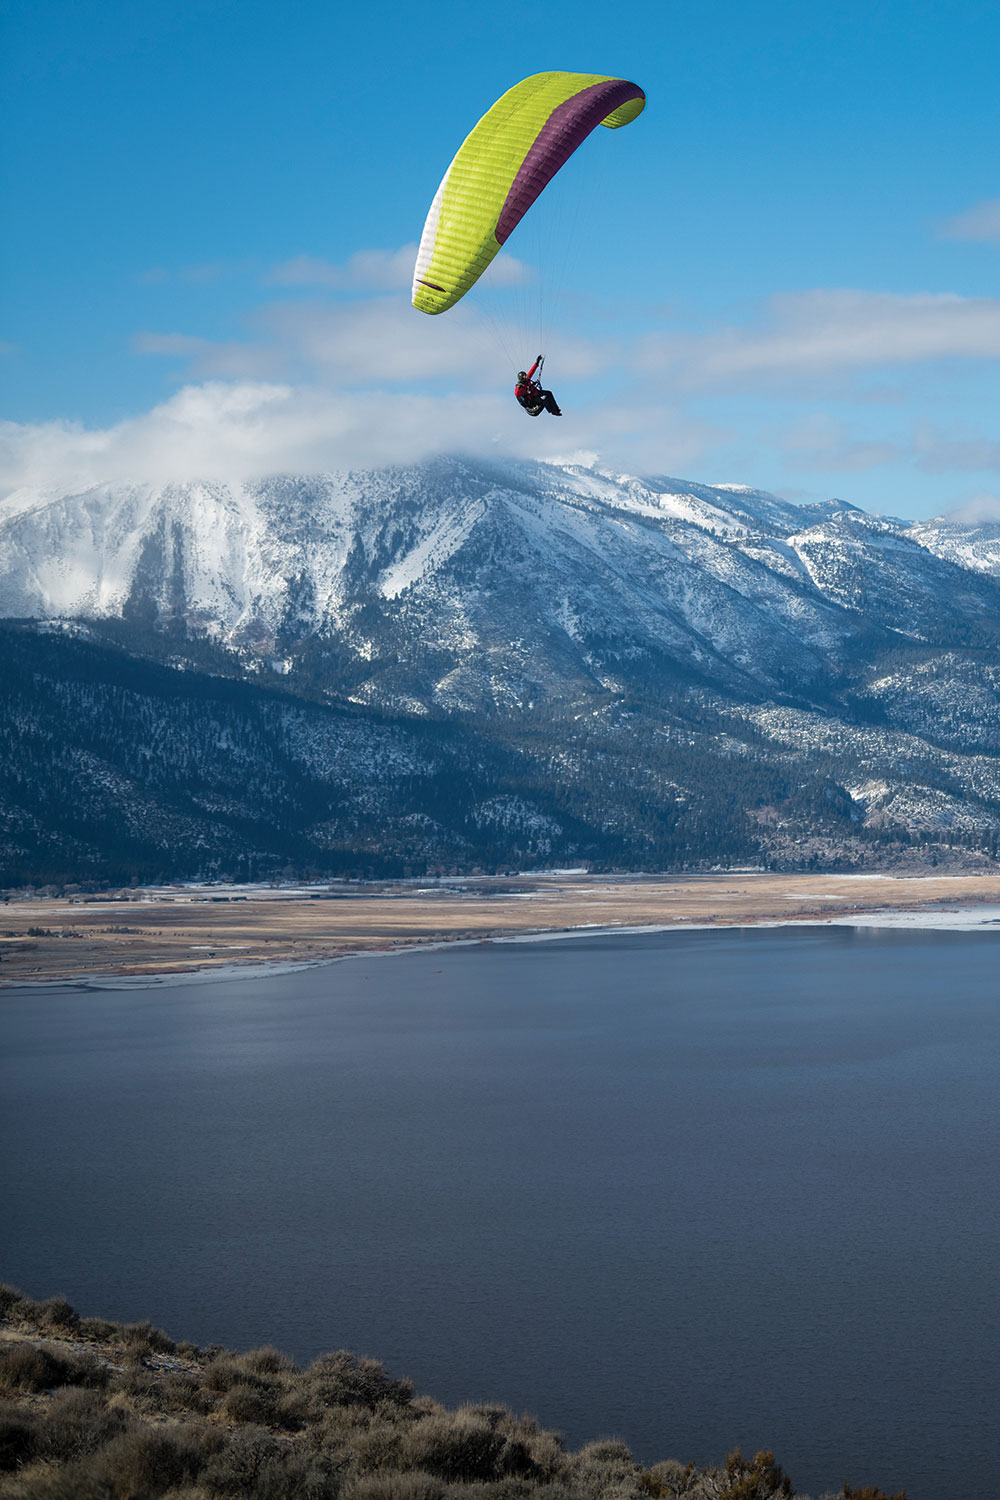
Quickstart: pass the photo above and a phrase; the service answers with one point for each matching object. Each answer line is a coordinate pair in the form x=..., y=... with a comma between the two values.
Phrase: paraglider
x=502, y=166
x=531, y=396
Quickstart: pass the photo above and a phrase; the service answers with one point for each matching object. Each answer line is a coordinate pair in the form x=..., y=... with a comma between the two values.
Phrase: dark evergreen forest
x=118, y=767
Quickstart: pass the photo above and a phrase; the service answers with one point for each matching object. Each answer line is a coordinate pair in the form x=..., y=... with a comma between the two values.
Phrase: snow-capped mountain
x=576, y=665
x=970, y=544
x=461, y=585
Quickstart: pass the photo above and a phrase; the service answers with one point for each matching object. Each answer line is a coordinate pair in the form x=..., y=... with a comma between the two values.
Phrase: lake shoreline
x=182, y=933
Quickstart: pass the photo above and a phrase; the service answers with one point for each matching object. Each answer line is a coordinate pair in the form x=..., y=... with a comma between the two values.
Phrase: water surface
x=695, y=1189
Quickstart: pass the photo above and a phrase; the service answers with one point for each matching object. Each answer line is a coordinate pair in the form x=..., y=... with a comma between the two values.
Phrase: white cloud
x=981, y=222
x=366, y=270
x=242, y=430
x=819, y=442
x=333, y=384
x=980, y=507
x=822, y=443
x=937, y=453
x=378, y=271
x=384, y=339
x=822, y=333
x=231, y=360
x=379, y=341
x=821, y=340
x=330, y=382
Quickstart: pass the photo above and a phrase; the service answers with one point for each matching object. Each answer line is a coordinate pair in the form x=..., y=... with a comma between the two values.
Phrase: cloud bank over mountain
x=329, y=368
x=243, y=429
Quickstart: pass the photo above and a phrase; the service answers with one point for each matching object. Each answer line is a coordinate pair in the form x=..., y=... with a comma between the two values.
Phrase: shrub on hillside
x=292, y=1410
x=238, y=1465
x=98, y=1329
x=79, y=1481
x=396, y=1485
x=84, y=1368
x=143, y=1338
x=510, y=1488
x=336, y=1430
x=10, y=1296
x=668, y=1479
x=255, y=1465
x=548, y=1454
x=759, y=1478
x=341, y=1379
x=56, y=1315
x=605, y=1468
x=180, y=1391
x=521, y=1435
x=19, y=1437
x=250, y=1403
x=25, y=1368
x=462, y=1447
x=149, y=1461
x=79, y=1422
x=30, y=1367
x=138, y=1384
x=223, y=1372
x=153, y=1391
x=374, y=1444
x=16, y=1306
x=266, y=1361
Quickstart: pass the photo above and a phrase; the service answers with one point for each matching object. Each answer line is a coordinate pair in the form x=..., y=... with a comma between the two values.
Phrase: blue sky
x=786, y=273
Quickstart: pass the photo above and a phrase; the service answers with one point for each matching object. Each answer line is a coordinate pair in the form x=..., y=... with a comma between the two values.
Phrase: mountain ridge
x=671, y=672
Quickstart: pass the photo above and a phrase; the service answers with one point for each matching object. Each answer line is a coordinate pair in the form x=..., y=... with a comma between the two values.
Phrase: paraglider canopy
x=500, y=169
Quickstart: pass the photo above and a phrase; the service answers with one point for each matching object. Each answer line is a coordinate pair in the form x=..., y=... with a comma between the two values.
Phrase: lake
x=694, y=1189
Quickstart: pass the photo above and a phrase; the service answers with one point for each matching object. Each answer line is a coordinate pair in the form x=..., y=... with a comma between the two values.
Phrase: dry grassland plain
x=182, y=928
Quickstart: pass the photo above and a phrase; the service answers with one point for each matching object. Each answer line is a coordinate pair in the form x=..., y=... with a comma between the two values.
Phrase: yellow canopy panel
x=500, y=169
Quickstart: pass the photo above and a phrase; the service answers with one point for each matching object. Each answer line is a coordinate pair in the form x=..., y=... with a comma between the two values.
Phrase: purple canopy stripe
x=567, y=125
x=502, y=166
